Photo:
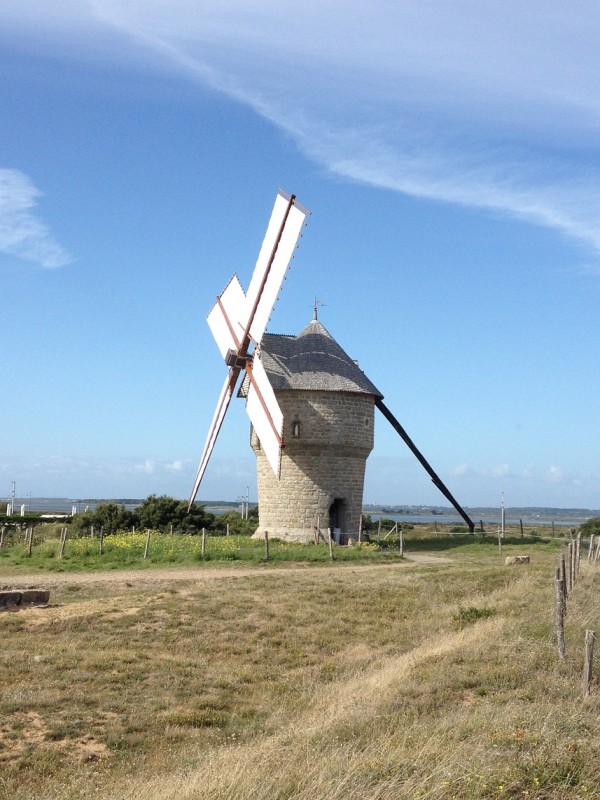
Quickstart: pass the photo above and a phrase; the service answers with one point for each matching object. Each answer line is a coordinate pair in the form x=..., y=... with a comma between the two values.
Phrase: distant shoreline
x=423, y=513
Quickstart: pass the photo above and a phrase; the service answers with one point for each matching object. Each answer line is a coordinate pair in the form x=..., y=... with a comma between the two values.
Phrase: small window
x=366, y=422
x=296, y=427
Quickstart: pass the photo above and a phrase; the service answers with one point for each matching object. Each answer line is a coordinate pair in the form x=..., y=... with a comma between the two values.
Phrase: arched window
x=296, y=427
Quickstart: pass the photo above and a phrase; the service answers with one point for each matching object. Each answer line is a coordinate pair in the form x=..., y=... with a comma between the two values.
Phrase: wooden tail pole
x=421, y=458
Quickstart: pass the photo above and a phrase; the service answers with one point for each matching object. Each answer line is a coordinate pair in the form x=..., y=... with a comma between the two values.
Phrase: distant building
x=328, y=410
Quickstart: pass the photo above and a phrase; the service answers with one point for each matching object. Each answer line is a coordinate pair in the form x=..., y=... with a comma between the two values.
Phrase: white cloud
x=493, y=106
x=148, y=466
x=22, y=233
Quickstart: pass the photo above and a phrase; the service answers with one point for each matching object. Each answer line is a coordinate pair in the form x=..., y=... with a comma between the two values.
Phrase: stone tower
x=328, y=410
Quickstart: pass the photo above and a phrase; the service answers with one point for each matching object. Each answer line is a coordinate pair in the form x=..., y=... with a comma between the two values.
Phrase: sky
x=449, y=155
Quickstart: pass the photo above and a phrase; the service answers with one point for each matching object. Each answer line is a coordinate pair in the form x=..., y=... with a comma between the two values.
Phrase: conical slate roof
x=312, y=360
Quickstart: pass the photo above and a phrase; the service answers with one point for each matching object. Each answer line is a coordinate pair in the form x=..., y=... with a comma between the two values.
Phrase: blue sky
x=449, y=155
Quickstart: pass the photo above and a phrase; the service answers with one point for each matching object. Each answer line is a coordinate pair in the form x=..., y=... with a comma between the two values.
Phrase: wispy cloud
x=488, y=105
x=22, y=233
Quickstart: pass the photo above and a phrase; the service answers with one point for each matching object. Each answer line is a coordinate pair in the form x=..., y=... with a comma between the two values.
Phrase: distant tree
x=82, y=523
x=157, y=512
x=112, y=517
x=160, y=513
x=591, y=526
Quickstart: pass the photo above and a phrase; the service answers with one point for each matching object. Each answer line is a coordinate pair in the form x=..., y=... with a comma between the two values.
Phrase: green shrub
x=467, y=616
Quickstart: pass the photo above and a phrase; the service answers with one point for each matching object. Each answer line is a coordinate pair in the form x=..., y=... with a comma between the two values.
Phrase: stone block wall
x=328, y=437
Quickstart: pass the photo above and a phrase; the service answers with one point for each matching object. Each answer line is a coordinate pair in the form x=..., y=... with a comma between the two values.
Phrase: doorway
x=336, y=518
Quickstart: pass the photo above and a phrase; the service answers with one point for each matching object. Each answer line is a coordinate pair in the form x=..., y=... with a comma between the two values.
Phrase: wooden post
x=30, y=541
x=401, y=541
x=147, y=546
x=481, y=528
x=63, y=541
x=379, y=531
x=521, y=524
x=1, y=536
x=563, y=575
x=553, y=529
x=499, y=542
x=559, y=612
x=360, y=528
x=266, y=545
x=573, y=563
x=171, y=529
x=102, y=541
x=578, y=553
x=203, y=547
x=318, y=529
x=590, y=637
x=330, y=541
x=590, y=548
x=92, y=532
x=569, y=567
x=227, y=531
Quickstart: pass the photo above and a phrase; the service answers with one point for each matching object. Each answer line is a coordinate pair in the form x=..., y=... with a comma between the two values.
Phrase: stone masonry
x=323, y=462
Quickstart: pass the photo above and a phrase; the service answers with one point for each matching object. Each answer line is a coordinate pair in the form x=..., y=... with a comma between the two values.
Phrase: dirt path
x=198, y=574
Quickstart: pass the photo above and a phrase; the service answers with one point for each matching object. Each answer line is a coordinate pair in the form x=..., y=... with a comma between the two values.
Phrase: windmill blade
x=275, y=254
x=215, y=427
x=265, y=414
x=226, y=319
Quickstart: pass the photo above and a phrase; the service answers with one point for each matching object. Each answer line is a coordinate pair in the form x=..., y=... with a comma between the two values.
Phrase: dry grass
x=312, y=683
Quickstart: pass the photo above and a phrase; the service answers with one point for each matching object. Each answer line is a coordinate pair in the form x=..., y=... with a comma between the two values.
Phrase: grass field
x=368, y=679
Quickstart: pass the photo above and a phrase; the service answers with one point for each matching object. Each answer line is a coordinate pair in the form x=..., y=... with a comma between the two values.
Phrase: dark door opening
x=336, y=516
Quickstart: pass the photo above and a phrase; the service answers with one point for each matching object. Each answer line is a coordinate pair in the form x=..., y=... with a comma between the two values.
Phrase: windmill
x=305, y=389
x=238, y=321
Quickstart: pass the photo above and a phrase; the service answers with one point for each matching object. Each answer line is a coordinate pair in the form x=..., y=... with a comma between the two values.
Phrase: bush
x=592, y=526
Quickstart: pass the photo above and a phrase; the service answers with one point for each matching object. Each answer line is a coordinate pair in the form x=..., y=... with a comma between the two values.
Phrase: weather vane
x=316, y=308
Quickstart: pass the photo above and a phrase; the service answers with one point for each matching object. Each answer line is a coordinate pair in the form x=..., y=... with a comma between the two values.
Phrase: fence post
x=559, y=612
x=591, y=547
x=203, y=547
x=569, y=567
x=30, y=541
x=401, y=541
x=379, y=531
x=330, y=541
x=578, y=553
x=590, y=637
x=1, y=536
x=102, y=540
x=266, y=545
x=63, y=540
x=521, y=524
x=147, y=546
x=360, y=528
